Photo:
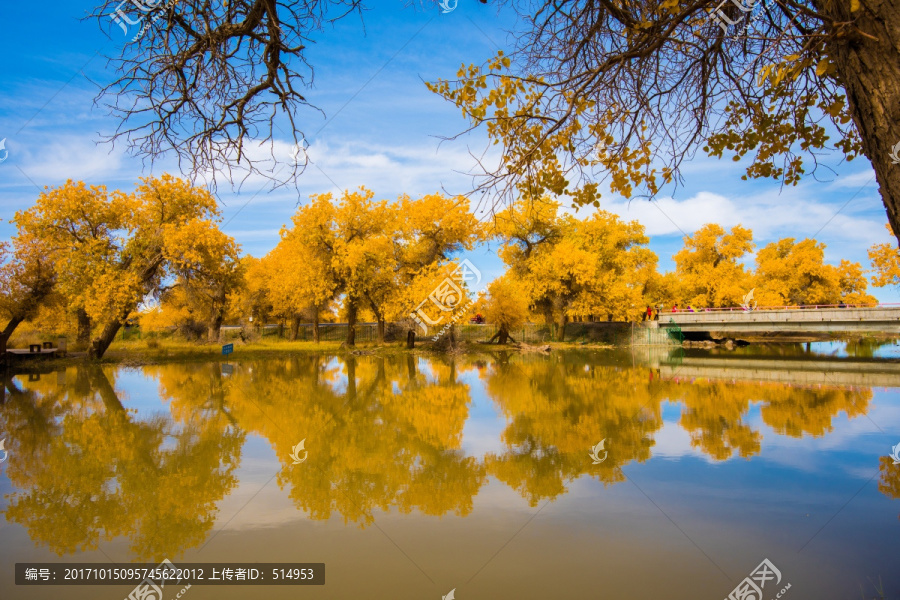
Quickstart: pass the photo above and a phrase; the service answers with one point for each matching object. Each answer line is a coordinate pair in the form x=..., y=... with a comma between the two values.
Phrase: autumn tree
x=708, y=268
x=300, y=280
x=794, y=273
x=351, y=242
x=207, y=266
x=252, y=300
x=575, y=267
x=623, y=93
x=109, y=250
x=367, y=253
x=27, y=278
x=886, y=263
x=506, y=307
x=434, y=229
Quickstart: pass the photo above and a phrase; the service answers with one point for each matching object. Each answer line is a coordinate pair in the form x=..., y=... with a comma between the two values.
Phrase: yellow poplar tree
x=109, y=249
x=886, y=262
x=794, y=273
x=27, y=278
x=208, y=266
x=708, y=268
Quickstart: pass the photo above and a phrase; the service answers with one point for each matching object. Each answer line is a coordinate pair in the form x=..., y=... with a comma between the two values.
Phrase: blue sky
x=381, y=128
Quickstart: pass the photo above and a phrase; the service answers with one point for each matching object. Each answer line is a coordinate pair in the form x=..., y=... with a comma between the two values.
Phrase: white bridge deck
x=882, y=319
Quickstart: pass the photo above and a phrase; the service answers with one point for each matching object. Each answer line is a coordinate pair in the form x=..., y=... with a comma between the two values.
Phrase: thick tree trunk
x=504, y=336
x=316, y=324
x=83, y=337
x=561, y=328
x=547, y=310
x=451, y=333
x=869, y=70
x=351, y=324
x=410, y=339
x=380, y=331
x=214, y=328
x=295, y=327
x=100, y=345
x=7, y=332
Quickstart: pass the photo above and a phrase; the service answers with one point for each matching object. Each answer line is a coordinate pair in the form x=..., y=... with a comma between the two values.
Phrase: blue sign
x=227, y=349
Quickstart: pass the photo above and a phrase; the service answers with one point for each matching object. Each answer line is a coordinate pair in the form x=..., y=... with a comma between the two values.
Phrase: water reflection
x=383, y=433
x=87, y=469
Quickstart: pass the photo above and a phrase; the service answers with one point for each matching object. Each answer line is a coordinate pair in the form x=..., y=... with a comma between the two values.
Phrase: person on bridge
x=674, y=308
x=649, y=315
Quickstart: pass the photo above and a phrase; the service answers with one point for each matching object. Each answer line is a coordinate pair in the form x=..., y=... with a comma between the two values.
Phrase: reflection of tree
x=558, y=409
x=713, y=415
x=866, y=347
x=796, y=411
x=380, y=433
x=101, y=473
x=889, y=484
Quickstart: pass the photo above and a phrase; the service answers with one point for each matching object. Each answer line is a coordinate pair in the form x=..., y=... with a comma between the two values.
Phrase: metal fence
x=616, y=333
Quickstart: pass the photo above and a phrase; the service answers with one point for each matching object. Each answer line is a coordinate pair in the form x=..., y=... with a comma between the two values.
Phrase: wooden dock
x=22, y=354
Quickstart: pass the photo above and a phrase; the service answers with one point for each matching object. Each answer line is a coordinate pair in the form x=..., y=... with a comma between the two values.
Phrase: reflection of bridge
x=822, y=370
x=727, y=322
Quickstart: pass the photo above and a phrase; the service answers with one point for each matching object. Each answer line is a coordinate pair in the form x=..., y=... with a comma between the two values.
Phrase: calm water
x=426, y=474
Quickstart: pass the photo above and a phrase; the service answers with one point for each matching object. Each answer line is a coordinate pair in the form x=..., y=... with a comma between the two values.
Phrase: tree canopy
x=625, y=92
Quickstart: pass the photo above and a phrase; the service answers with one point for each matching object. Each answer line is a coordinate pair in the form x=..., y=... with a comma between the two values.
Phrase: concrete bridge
x=797, y=370
x=723, y=323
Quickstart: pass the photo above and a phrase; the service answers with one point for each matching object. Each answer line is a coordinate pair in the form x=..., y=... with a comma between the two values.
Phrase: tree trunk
x=351, y=323
x=451, y=333
x=504, y=335
x=380, y=330
x=214, y=328
x=316, y=324
x=870, y=73
x=561, y=328
x=7, y=333
x=83, y=337
x=410, y=339
x=351, y=377
x=100, y=345
x=548, y=316
x=295, y=327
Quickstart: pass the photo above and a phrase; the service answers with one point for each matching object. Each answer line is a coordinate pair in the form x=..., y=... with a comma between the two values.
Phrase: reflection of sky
x=891, y=349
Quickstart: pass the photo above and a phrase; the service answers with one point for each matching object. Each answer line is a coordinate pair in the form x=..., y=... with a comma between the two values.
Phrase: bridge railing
x=788, y=307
